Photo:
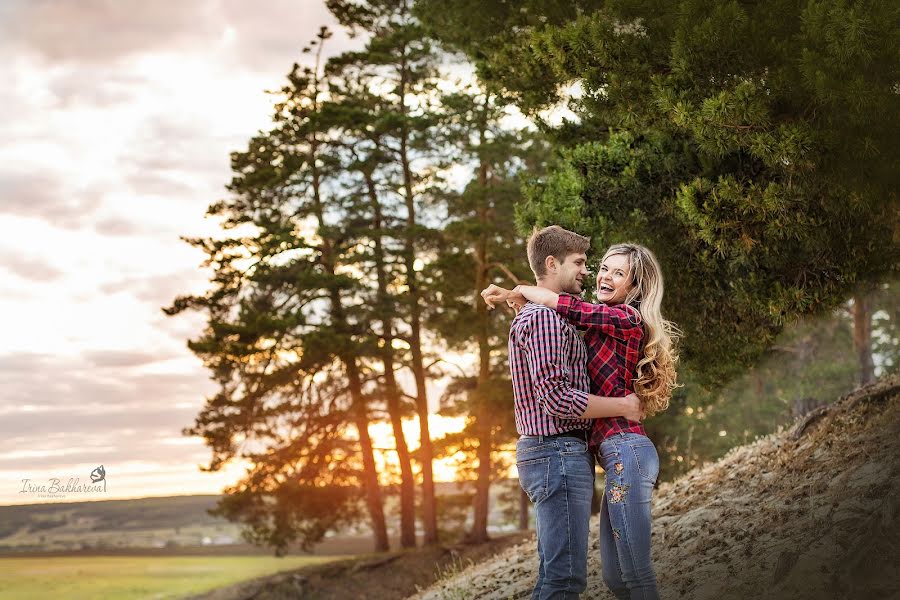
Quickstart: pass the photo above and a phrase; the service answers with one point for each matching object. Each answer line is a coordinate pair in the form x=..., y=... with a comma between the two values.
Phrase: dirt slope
x=807, y=513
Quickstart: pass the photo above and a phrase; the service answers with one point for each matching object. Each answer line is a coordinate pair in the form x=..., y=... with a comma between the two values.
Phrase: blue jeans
x=632, y=466
x=558, y=476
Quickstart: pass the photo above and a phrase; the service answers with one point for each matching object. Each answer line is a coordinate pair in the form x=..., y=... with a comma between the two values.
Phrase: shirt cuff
x=579, y=403
x=564, y=304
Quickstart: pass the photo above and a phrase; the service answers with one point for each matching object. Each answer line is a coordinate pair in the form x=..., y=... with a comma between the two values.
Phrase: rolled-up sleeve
x=550, y=374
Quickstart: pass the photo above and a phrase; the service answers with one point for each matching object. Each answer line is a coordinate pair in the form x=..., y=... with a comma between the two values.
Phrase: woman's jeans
x=558, y=475
x=632, y=466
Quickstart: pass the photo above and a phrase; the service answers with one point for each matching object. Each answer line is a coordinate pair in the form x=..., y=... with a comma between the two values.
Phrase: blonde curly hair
x=656, y=376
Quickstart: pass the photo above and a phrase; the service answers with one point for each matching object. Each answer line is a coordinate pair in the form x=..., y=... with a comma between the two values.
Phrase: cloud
x=112, y=446
x=169, y=146
x=19, y=361
x=98, y=86
x=98, y=31
x=256, y=41
x=158, y=290
x=123, y=114
x=30, y=268
x=101, y=31
x=119, y=358
x=118, y=226
x=99, y=386
x=46, y=196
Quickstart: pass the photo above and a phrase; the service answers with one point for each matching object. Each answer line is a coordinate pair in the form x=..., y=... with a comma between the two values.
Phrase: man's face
x=571, y=273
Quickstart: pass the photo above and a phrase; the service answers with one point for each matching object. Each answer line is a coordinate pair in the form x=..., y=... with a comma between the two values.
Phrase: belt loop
x=540, y=439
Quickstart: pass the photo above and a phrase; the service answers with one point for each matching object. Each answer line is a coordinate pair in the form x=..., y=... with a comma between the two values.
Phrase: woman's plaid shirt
x=547, y=361
x=613, y=335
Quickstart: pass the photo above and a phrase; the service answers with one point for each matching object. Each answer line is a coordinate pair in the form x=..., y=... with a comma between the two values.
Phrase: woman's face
x=614, y=279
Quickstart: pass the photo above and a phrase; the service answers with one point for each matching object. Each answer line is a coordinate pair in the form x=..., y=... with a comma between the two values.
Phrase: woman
x=630, y=348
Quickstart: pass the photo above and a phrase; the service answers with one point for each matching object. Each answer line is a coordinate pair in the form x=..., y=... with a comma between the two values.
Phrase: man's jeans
x=558, y=476
x=632, y=466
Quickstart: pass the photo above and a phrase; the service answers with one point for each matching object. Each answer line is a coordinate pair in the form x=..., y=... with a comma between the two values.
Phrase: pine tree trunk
x=862, y=336
x=429, y=507
x=374, y=501
x=482, y=484
x=391, y=389
x=483, y=417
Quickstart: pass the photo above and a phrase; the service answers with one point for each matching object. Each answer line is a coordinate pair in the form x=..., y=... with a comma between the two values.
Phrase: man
x=554, y=412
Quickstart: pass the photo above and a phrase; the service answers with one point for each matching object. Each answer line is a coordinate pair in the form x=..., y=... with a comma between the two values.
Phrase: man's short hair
x=553, y=241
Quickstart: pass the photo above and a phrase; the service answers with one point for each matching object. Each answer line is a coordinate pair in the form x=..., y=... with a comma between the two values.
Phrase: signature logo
x=98, y=475
x=55, y=489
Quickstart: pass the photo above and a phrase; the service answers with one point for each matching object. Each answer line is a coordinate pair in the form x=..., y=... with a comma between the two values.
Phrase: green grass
x=132, y=577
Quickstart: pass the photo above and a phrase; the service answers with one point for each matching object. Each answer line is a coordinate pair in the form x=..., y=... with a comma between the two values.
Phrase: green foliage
x=751, y=146
x=812, y=363
x=454, y=509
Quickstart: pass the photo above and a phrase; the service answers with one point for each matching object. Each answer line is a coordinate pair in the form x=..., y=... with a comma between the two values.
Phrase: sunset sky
x=118, y=122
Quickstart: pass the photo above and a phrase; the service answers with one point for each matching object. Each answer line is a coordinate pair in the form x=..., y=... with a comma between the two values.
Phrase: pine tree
x=479, y=248
x=398, y=53
x=285, y=337
x=357, y=115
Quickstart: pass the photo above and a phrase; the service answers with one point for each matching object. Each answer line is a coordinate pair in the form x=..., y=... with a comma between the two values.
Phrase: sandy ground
x=806, y=513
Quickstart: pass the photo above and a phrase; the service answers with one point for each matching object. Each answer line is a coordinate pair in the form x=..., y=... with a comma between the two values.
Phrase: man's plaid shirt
x=547, y=361
x=613, y=335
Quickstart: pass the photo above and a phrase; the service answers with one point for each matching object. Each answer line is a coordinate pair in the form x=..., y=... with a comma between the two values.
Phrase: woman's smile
x=614, y=279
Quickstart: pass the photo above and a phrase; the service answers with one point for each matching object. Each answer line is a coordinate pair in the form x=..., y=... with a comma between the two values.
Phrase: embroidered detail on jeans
x=619, y=468
x=617, y=493
x=616, y=533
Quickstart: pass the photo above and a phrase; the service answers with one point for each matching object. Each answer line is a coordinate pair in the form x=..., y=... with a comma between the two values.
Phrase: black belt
x=581, y=434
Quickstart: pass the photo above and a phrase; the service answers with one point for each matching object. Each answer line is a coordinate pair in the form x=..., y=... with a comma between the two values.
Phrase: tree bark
x=429, y=507
x=483, y=424
x=374, y=501
x=391, y=389
x=862, y=336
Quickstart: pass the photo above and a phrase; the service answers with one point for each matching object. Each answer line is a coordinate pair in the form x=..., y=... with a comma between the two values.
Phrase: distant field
x=133, y=577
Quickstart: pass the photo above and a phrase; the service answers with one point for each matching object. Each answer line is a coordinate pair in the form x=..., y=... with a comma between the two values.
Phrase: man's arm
x=550, y=377
x=607, y=406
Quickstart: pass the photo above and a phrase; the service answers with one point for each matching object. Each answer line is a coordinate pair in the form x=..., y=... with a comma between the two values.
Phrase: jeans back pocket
x=647, y=460
x=534, y=477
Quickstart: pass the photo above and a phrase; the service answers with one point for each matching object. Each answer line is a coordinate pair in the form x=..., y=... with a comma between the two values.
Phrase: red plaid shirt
x=547, y=361
x=613, y=335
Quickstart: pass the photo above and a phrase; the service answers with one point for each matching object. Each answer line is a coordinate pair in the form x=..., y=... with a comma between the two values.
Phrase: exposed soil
x=808, y=513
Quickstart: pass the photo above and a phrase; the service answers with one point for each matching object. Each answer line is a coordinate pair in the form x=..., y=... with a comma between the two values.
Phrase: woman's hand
x=494, y=294
x=515, y=299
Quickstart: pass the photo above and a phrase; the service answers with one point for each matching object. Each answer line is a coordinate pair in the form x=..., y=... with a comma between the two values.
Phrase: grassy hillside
x=107, y=515
x=147, y=522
